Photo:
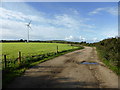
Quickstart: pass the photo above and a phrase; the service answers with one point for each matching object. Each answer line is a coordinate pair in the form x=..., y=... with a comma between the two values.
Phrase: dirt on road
x=66, y=71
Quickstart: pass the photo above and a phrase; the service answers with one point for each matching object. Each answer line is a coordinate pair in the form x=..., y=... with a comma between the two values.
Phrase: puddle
x=84, y=62
x=78, y=52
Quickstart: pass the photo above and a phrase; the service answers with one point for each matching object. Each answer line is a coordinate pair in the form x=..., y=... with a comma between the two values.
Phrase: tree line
x=47, y=41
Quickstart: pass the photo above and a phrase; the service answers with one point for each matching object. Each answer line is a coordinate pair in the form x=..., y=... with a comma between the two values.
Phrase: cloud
x=8, y=14
x=74, y=11
x=19, y=30
x=82, y=38
x=110, y=10
x=13, y=29
x=110, y=33
x=60, y=26
x=96, y=11
x=75, y=38
x=71, y=22
x=69, y=38
x=56, y=27
x=8, y=35
x=15, y=15
x=94, y=39
x=66, y=21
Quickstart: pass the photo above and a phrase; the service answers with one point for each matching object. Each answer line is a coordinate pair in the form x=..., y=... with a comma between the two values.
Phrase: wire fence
x=8, y=62
x=22, y=59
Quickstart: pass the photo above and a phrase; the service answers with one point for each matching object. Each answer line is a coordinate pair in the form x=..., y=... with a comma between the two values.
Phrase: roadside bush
x=109, y=50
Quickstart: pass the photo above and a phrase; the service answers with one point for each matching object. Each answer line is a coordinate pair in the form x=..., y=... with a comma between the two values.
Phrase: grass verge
x=11, y=74
x=114, y=68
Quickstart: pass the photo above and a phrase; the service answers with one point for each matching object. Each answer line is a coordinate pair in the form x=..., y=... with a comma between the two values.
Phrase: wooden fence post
x=5, y=61
x=19, y=57
x=57, y=48
x=72, y=46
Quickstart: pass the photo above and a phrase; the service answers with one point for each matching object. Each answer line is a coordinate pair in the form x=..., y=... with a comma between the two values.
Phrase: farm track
x=66, y=71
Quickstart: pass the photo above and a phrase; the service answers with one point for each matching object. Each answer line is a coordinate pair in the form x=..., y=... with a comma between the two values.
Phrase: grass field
x=43, y=52
x=12, y=49
x=29, y=52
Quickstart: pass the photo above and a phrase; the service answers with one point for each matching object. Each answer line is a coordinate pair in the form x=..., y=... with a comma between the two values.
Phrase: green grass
x=10, y=74
x=12, y=49
x=28, y=50
x=46, y=50
x=114, y=68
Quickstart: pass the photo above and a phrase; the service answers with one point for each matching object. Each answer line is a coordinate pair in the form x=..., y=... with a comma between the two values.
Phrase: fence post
x=57, y=48
x=19, y=57
x=72, y=46
x=5, y=61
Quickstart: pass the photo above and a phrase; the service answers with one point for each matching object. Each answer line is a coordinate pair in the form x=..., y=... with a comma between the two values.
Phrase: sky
x=71, y=21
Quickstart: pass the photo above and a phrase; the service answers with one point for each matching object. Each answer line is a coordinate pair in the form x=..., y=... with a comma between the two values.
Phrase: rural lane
x=66, y=71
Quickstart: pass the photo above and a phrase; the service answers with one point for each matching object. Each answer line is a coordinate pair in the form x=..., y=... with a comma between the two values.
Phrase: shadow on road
x=49, y=79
